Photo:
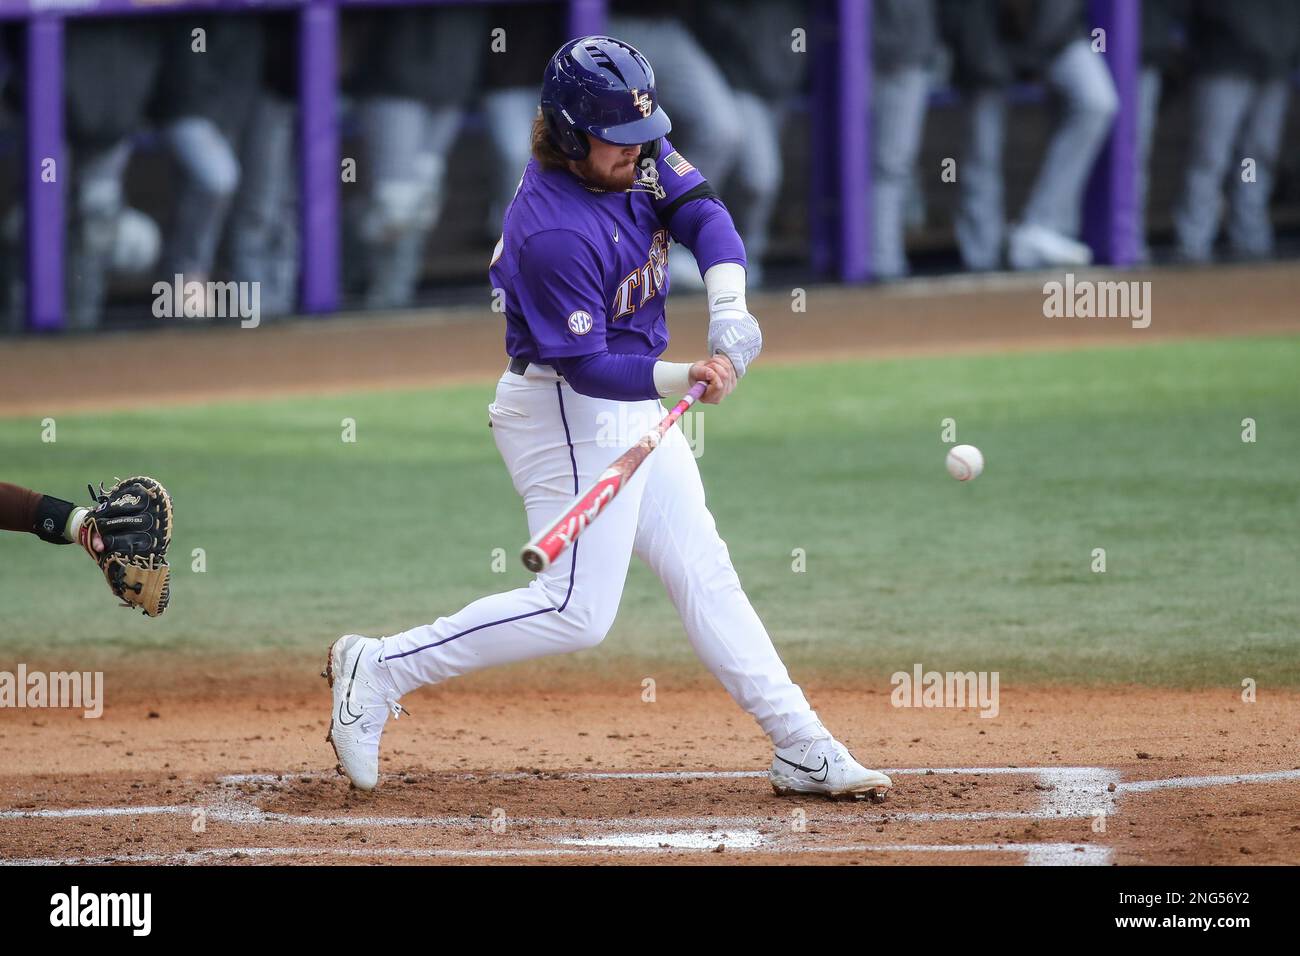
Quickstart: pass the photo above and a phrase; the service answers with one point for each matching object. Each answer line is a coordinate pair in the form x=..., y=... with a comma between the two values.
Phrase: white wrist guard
x=75, y=521
x=732, y=330
x=672, y=379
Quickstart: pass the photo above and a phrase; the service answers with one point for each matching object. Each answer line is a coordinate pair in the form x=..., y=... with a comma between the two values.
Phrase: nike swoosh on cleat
x=347, y=698
x=355, y=717
x=824, y=769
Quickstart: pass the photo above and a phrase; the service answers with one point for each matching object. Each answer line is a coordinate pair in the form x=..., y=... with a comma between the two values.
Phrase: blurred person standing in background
x=764, y=72
x=262, y=240
x=208, y=89
x=1162, y=23
x=1241, y=53
x=994, y=42
x=509, y=100
x=110, y=69
x=416, y=73
x=707, y=121
x=904, y=41
x=11, y=202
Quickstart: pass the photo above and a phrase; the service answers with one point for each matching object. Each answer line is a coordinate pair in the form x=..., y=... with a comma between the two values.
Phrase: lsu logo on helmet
x=643, y=102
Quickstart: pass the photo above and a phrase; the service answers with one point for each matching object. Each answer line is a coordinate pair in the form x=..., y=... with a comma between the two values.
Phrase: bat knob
x=534, y=559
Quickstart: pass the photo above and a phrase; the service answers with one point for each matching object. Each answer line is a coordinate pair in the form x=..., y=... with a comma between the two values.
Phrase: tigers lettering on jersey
x=648, y=279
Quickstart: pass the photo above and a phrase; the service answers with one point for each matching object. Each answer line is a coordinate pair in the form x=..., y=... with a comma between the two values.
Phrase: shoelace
x=841, y=752
x=393, y=705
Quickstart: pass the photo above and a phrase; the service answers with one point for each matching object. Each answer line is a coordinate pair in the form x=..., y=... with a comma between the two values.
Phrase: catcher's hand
x=127, y=533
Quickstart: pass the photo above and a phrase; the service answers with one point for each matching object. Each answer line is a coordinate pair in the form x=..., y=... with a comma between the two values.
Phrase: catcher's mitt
x=133, y=519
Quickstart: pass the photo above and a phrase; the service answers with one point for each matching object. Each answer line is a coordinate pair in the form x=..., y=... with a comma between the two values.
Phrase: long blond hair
x=544, y=150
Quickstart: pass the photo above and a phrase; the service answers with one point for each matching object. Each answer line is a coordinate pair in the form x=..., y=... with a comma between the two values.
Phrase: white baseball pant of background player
x=555, y=442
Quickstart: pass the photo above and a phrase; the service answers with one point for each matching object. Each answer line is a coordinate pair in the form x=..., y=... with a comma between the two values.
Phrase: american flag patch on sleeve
x=679, y=163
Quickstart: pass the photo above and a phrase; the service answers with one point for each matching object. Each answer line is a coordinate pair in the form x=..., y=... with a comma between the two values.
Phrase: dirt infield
x=226, y=762
x=956, y=314
x=1062, y=776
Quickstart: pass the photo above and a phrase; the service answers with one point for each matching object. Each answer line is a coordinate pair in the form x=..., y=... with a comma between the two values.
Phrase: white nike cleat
x=824, y=766
x=1037, y=247
x=361, y=708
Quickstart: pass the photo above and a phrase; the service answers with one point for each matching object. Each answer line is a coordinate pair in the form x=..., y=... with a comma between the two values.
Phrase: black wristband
x=51, y=519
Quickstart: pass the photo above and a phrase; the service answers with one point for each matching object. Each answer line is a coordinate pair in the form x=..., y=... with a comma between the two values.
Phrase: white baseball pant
x=555, y=442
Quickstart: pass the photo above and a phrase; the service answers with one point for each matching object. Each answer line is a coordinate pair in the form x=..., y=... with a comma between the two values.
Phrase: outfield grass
x=1137, y=451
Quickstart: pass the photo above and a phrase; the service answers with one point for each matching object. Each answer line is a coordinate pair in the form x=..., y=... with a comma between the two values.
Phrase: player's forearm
x=17, y=507
x=52, y=519
x=724, y=284
x=619, y=376
x=732, y=330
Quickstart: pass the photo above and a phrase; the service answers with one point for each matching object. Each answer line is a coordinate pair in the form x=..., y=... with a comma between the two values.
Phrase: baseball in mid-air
x=965, y=462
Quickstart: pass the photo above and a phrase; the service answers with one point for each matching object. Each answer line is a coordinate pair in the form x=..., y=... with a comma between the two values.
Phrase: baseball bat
x=549, y=543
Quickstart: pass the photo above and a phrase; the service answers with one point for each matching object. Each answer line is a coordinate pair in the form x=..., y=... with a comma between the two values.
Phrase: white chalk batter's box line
x=1036, y=854
x=1072, y=793
x=1066, y=793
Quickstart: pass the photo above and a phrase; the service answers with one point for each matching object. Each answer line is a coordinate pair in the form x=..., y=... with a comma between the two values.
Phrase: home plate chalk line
x=1065, y=793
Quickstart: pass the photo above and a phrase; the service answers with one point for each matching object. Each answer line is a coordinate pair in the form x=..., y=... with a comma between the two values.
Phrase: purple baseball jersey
x=586, y=271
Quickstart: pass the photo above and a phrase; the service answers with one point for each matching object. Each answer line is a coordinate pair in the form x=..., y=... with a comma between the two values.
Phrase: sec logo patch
x=580, y=322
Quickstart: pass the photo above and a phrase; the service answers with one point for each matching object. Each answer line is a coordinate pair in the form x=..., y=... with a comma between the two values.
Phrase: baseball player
x=127, y=531
x=583, y=265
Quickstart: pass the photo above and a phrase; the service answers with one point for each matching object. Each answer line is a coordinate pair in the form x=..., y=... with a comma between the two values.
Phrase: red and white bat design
x=552, y=540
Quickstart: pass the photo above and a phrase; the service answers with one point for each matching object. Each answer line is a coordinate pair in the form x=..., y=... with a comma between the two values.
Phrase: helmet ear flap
x=572, y=142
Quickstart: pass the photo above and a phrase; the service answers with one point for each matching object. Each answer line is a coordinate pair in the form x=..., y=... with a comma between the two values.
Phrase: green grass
x=1137, y=451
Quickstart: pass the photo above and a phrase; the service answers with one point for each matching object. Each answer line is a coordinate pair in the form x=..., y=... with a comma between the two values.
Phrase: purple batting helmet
x=601, y=87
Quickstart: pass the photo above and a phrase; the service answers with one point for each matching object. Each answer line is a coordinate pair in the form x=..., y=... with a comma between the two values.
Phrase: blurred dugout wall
x=437, y=121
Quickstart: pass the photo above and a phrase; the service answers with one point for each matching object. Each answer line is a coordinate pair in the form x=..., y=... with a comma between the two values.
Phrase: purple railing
x=1110, y=213
x=839, y=43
